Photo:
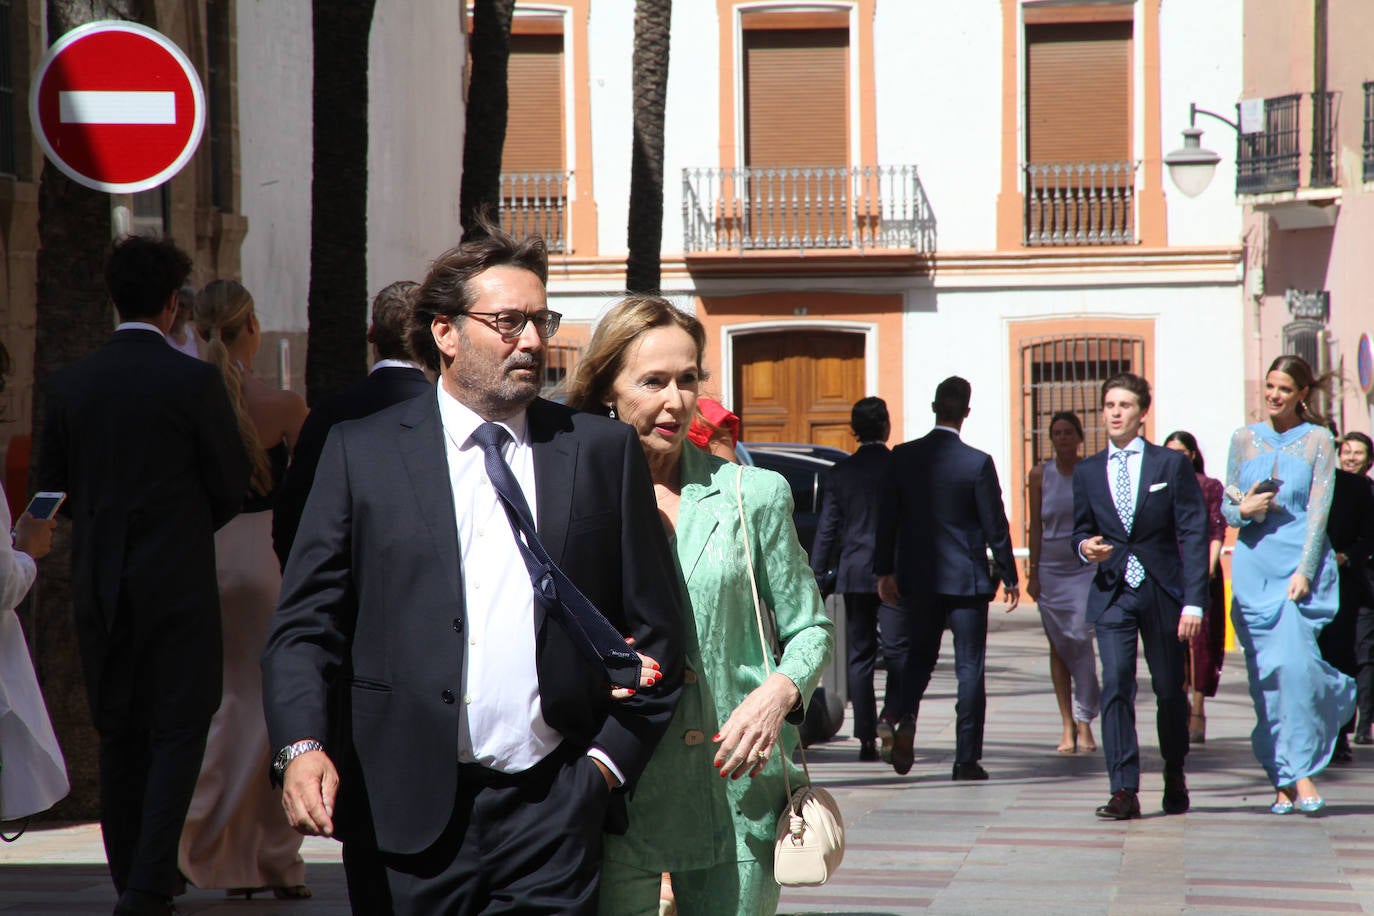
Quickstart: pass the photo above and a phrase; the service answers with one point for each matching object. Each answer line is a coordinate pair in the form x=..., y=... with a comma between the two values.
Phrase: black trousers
x=864, y=615
x=1151, y=615
x=517, y=843
x=926, y=618
x=147, y=778
x=1364, y=658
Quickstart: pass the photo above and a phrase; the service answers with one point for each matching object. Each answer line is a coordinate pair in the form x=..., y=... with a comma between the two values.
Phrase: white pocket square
x=1156, y=487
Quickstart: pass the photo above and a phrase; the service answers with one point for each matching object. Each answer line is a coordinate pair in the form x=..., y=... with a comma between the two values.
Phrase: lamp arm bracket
x=1194, y=111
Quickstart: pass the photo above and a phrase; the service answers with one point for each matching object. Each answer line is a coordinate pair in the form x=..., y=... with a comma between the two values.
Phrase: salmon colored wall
x=718, y=313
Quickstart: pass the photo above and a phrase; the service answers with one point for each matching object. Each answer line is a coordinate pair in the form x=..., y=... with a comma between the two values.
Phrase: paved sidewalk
x=1025, y=842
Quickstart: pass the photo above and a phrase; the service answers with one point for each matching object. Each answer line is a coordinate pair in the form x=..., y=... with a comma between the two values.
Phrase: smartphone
x=1268, y=485
x=45, y=505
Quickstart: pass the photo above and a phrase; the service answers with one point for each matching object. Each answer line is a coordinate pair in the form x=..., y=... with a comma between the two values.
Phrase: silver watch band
x=291, y=752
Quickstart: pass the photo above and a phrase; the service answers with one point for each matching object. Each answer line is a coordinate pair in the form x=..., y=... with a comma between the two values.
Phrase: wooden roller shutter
x=534, y=119
x=796, y=97
x=1078, y=92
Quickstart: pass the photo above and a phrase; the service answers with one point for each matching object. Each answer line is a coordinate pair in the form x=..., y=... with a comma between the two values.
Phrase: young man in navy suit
x=1140, y=516
x=939, y=513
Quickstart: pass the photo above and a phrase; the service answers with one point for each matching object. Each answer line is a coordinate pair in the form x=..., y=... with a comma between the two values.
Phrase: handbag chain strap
x=758, y=617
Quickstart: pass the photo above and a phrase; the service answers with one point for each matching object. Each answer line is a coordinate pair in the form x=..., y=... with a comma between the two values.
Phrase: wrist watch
x=290, y=753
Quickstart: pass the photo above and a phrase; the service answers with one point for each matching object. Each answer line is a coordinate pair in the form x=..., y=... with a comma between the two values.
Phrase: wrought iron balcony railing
x=1080, y=203
x=1323, y=140
x=536, y=203
x=1368, y=172
x=806, y=207
x=1270, y=160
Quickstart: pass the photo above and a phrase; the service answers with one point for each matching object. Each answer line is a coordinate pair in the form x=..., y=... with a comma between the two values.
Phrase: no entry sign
x=117, y=107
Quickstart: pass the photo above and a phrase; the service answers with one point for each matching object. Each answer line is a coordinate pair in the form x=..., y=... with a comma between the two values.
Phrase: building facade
x=864, y=197
x=1306, y=173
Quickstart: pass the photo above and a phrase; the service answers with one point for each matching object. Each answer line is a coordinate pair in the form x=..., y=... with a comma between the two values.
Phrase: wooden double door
x=798, y=386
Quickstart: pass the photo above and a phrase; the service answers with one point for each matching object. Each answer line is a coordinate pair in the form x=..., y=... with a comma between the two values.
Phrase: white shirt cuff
x=1191, y=611
x=598, y=754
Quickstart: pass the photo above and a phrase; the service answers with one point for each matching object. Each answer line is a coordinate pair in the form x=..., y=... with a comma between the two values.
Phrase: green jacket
x=683, y=814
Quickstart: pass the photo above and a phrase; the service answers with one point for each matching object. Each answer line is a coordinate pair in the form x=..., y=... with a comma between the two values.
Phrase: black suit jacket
x=1350, y=528
x=939, y=512
x=144, y=441
x=372, y=601
x=1168, y=530
x=849, y=519
x=382, y=388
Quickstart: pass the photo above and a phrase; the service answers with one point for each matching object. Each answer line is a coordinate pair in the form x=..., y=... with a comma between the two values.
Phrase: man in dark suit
x=844, y=547
x=395, y=377
x=1350, y=528
x=477, y=752
x=940, y=511
x=145, y=443
x=1139, y=514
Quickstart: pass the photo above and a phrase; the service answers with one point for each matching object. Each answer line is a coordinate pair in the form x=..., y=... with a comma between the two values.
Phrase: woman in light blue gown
x=1283, y=578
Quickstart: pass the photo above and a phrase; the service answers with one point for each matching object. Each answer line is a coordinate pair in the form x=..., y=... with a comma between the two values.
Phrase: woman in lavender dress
x=1058, y=583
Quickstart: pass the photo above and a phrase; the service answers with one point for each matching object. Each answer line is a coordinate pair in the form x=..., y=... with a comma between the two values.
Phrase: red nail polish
x=630, y=690
x=717, y=737
x=656, y=666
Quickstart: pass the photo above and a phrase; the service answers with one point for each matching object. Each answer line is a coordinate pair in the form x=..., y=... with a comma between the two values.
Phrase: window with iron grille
x=7, y=127
x=1323, y=139
x=560, y=359
x=1066, y=372
x=1369, y=131
x=1269, y=159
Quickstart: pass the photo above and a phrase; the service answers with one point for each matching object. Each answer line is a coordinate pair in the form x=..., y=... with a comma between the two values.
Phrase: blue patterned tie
x=1121, y=495
x=590, y=631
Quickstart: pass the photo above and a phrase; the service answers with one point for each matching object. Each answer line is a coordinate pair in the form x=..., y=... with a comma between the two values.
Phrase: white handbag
x=809, y=845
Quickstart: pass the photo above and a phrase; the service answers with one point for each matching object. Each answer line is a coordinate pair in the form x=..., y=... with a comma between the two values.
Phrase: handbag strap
x=758, y=618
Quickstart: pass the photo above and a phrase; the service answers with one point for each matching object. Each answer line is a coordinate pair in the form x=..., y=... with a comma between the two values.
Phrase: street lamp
x=1192, y=167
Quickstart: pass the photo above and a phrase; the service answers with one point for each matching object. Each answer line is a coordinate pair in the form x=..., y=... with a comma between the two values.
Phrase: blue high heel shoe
x=1311, y=805
x=1281, y=807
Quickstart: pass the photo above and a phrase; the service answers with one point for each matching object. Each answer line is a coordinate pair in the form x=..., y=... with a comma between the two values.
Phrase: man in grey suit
x=145, y=442
x=844, y=547
x=939, y=513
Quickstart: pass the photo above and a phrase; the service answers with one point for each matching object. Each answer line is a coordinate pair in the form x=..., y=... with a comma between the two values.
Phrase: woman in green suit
x=707, y=807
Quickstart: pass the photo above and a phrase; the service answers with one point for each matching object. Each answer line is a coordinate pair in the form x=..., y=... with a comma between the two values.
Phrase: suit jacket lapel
x=555, y=469
x=425, y=456
x=1148, y=467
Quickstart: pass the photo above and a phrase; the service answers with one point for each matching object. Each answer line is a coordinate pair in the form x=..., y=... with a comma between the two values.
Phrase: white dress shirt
x=500, y=723
x=139, y=326
x=1135, y=455
x=408, y=364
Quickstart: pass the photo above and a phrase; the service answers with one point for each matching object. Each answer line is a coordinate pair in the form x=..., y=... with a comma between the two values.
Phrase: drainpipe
x=1322, y=163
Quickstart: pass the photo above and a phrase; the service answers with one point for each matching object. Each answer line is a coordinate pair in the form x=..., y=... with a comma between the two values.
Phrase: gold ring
x=762, y=755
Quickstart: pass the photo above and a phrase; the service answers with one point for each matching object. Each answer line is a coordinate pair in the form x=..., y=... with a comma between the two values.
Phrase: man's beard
x=497, y=395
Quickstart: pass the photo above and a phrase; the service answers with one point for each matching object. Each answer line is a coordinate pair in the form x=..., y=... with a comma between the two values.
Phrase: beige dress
x=236, y=834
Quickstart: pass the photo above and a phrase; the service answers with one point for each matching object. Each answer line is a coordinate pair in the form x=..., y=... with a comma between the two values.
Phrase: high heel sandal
x=1197, y=735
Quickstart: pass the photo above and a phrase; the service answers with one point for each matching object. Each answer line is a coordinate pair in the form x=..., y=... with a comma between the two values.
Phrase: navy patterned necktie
x=1125, y=510
x=589, y=630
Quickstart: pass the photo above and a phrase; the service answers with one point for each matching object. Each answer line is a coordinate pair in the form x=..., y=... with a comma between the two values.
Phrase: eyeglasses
x=511, y=322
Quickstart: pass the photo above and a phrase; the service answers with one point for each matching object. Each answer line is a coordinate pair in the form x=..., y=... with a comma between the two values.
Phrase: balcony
x=784, y=208
x=1079, y=203
x=536, y=203
x=1270, y=160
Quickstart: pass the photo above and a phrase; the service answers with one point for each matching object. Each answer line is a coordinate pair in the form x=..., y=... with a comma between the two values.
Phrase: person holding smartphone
x=1280, y=477
x=34, y=775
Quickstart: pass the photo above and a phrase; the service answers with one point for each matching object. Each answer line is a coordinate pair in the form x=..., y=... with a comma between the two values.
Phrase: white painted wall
x=1200, y=61
x=275, y=59
x=610, y=39
x=963, y=331
x=938, y=75
x=415, y=141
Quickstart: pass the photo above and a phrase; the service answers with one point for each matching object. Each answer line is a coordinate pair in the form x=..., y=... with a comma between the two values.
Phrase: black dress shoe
x=1364, y=737
x=868, y=750
x=142, y=903
x=1122, y=807
x=969, y=771
x=1175, y=791
x=904, y=747
x=1342, y=753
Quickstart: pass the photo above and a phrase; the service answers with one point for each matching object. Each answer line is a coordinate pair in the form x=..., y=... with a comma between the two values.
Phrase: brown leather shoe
x=1123, y=806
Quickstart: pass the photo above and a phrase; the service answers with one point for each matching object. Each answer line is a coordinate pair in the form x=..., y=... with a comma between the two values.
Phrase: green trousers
x=743, y=888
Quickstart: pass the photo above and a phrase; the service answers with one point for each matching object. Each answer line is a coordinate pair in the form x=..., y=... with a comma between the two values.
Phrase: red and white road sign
x=117, y=106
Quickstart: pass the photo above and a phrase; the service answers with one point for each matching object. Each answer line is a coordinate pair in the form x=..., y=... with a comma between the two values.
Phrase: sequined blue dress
x=1300, y=700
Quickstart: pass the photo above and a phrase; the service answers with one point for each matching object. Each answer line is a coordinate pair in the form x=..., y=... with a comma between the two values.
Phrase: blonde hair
x=601, y=361
x=221, y=312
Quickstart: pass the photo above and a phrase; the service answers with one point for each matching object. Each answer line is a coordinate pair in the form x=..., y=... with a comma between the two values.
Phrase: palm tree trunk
x=644, y=230
x=74, y=318
x=336, y=340
x=485, y=133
